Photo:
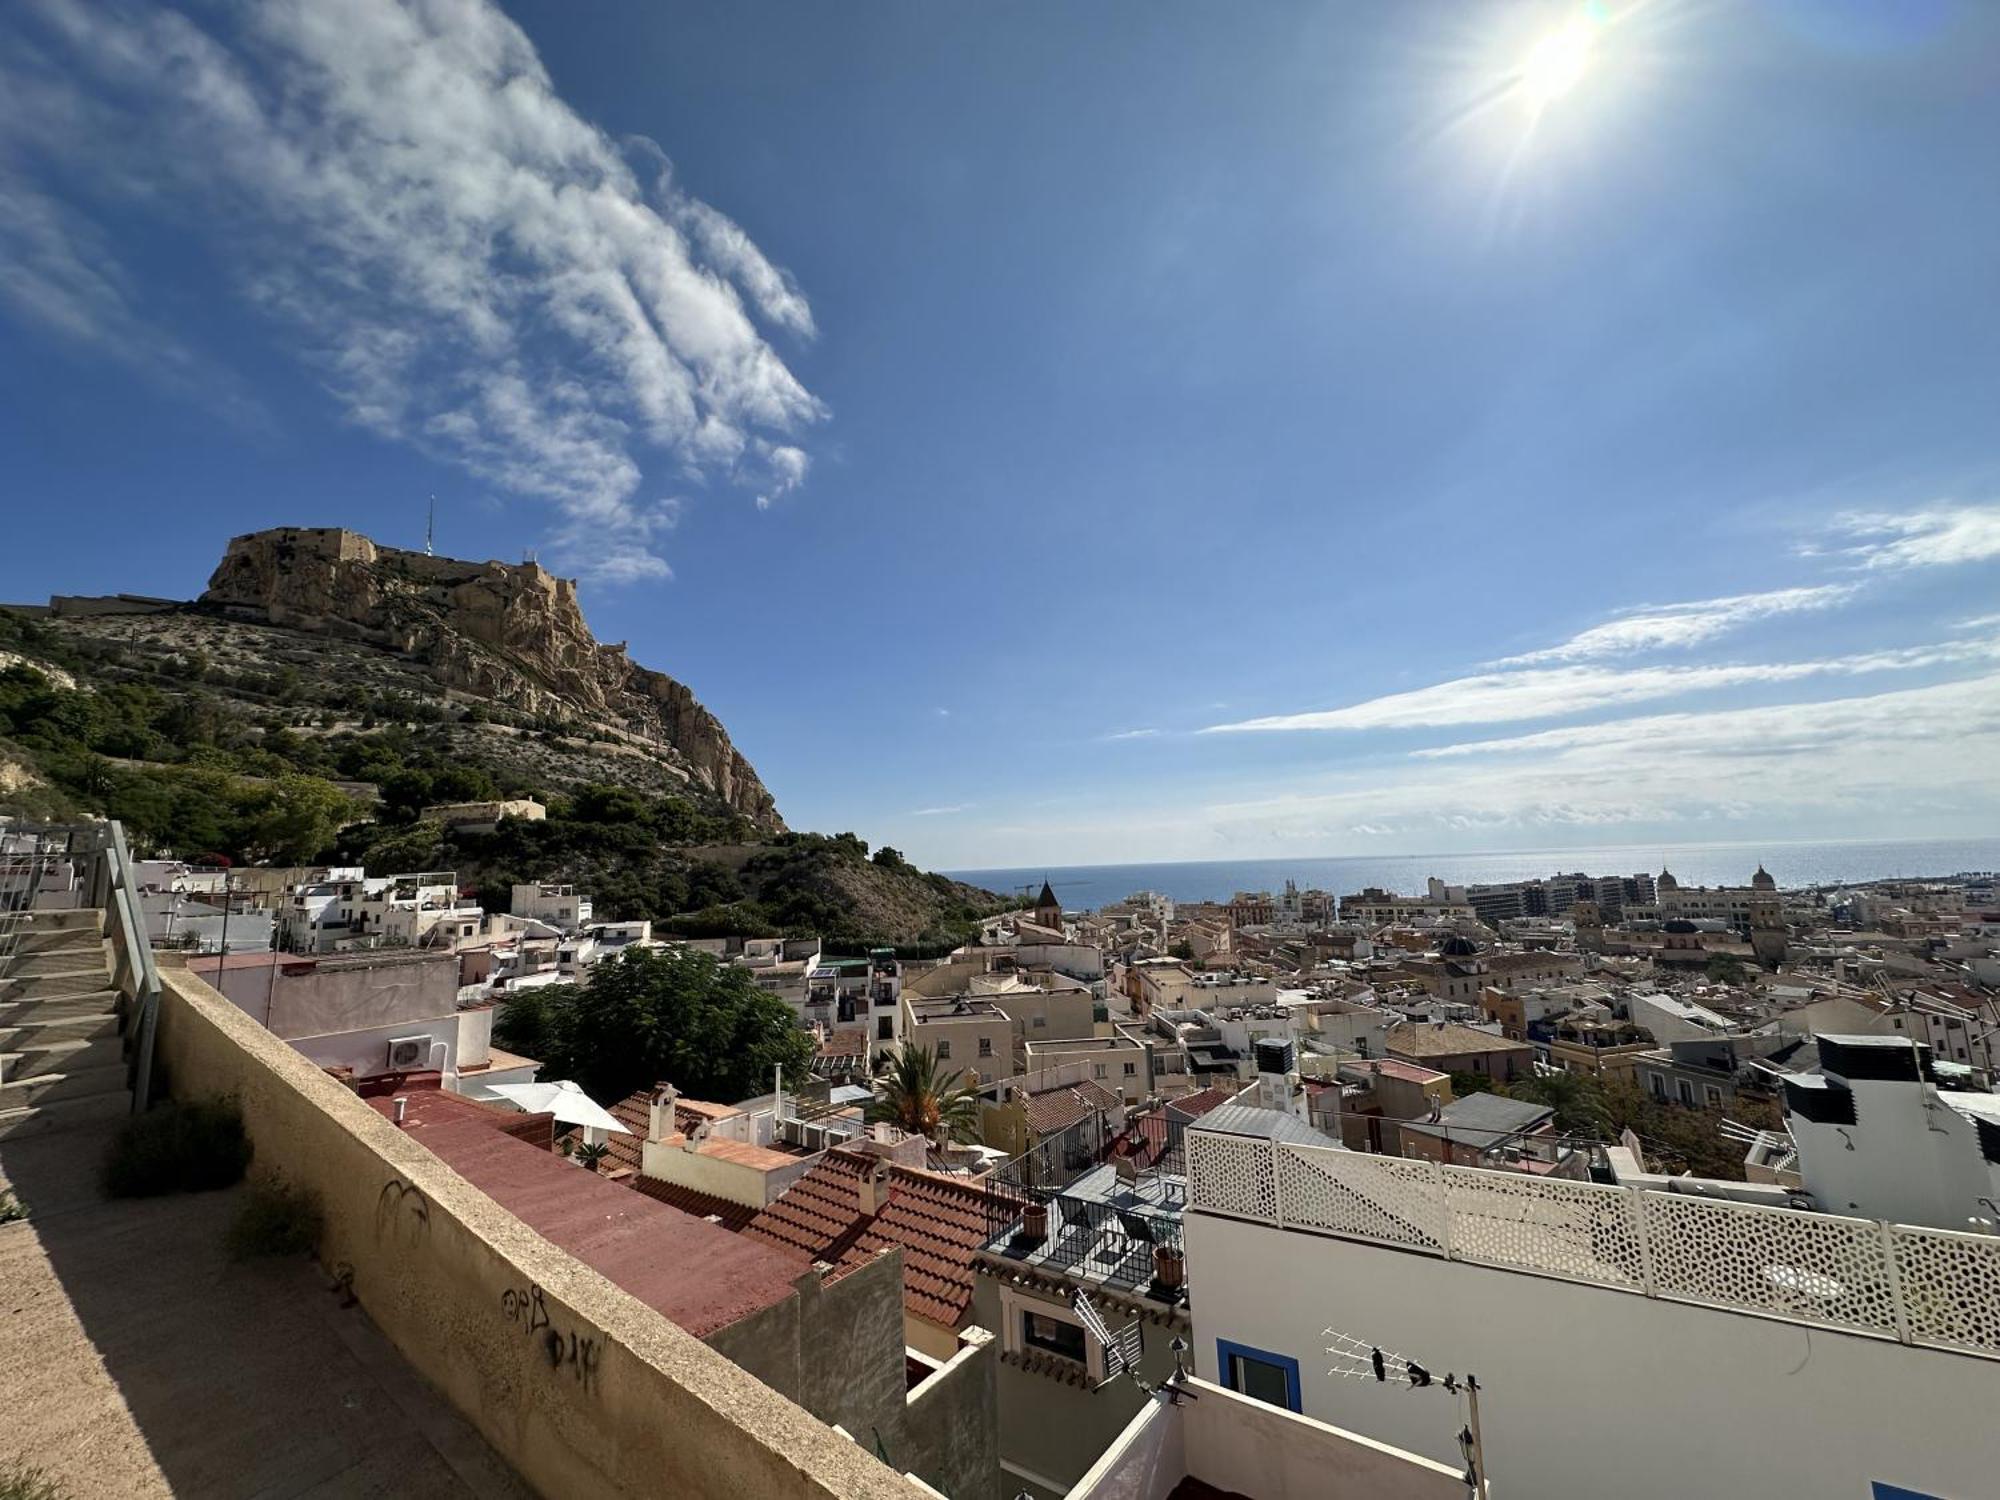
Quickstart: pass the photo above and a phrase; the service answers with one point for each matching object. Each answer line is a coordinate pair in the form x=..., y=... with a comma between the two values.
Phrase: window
x=943, y=1050
x=1052, y=1335
x=885, y=1029
x=1258, y=1374
x=1686, y=1092
x=1097, y=1070
x=986, y=1046
x=1658, y=1084
x=1131, y=1070
x=1712, y=1095
x=1040, y=1021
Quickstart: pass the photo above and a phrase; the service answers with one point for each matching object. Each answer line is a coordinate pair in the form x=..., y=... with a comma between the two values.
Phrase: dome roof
x=1763, y=880
x=1458, y=946
x=1667, y=882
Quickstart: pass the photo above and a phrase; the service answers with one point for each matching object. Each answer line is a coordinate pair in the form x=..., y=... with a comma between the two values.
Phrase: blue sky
x=1051, y=433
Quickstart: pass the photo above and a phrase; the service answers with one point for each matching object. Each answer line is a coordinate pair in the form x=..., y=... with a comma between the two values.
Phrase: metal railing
x=1928, y=1287
x=96, y=854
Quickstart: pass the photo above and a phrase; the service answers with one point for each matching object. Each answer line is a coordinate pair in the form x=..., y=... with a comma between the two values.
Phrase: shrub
x=178, y=1148
x=20, y=1482
x=12, y=1209
x=276, y=1218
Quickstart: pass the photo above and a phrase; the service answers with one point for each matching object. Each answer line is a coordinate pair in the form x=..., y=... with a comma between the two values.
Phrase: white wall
x=1592, y=1392
x=366, y=1050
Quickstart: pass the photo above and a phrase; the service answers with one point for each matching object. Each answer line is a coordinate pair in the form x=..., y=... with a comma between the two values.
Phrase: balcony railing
x=1929, y=1287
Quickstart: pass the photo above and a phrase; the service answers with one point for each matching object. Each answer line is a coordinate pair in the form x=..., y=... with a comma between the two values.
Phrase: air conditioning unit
x=408, y=1052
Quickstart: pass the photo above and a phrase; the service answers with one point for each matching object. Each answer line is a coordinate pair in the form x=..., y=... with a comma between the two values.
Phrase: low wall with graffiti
x=583, y=1388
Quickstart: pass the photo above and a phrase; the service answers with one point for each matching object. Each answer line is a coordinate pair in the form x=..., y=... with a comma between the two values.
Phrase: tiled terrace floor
x=137, y=1359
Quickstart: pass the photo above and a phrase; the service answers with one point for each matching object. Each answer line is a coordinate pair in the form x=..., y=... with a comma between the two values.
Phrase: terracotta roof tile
x=939, y=1221
x=1053, y=1111
x=732, y=1216
x=820, y=1214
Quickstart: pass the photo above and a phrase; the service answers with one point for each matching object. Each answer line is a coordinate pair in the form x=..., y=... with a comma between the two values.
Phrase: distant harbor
x=1086, y=887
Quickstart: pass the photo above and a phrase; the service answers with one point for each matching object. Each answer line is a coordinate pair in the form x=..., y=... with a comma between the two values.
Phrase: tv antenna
x=430, y=529
x=1357, y=1359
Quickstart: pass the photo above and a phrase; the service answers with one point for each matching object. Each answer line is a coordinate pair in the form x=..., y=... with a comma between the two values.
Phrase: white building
x=1653, y=1345
x=553, y=903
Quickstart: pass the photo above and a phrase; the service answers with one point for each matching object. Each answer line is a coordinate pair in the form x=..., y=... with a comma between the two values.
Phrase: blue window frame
x=1258, y=1373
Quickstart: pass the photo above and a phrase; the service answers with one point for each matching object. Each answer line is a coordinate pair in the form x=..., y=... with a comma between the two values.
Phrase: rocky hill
x=495, y=632
x=324, y=691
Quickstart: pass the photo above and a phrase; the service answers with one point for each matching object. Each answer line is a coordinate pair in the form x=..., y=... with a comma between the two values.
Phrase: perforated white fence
x=1922, y=1286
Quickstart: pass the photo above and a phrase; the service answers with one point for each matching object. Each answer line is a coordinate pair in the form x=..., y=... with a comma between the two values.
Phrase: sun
x=1556, y=65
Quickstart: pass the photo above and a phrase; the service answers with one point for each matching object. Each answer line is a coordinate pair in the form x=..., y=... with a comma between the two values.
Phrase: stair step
x=34, y=943
x=52, y=986
x=32, y=1010
x=28, y=1035
x=69, y=1055
x=63, y=1114
x=47, y=1088
x=55, y=965
x=89, y=919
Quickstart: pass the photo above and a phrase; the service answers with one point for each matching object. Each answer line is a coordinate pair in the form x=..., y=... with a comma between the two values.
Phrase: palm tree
x=592, y=1155
x=913, y=1095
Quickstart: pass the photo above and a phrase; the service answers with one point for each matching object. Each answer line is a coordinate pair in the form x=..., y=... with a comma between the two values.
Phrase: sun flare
x=1556, y=65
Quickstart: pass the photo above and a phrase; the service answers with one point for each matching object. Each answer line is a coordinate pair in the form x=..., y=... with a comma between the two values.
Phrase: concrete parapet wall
x=583, y=1388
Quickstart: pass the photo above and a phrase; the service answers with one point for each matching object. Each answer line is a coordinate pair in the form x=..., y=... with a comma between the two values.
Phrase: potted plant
x=1169, y=1270
x=592, y=1155
x=1034, y=1223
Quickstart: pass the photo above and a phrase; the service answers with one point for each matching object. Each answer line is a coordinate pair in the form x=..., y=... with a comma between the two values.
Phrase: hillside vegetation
x=208, y=738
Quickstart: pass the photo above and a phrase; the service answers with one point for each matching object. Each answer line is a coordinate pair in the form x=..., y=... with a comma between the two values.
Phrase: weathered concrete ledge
x=584, y=1389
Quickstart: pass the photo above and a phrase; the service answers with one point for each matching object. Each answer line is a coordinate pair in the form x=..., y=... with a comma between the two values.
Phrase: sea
x=1086, y=887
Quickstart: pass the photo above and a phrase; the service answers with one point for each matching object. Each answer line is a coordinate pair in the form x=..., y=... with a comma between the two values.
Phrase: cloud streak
x=1550, y=692
x=1938, y=536
x=472, y=268
x=1677, y=626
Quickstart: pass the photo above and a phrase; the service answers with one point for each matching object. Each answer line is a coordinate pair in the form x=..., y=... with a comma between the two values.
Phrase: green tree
x=660, y=1014
x=1183, y=950
x=914, y=1095
x=1578, y=1102
x=299, y=819
x=1725, y=968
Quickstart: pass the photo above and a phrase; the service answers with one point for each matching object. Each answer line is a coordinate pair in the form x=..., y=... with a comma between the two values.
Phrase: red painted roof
x=938, y=1220
x=698, y=1274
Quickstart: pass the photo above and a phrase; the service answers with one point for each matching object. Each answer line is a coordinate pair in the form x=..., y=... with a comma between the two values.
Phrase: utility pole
x=1475, y=1453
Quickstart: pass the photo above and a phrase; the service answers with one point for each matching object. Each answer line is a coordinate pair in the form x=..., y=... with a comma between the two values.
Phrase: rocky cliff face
x=506, y=634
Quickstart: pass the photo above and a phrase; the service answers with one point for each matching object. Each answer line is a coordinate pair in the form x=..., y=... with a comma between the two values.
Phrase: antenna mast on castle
x=430, y=529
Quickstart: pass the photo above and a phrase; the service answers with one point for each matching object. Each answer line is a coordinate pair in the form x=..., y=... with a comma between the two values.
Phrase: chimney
x=873, y=1188
x=660, y=1116
x=402, y=1104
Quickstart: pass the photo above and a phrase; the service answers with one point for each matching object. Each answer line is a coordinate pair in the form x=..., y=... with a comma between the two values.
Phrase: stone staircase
x=62, y=1048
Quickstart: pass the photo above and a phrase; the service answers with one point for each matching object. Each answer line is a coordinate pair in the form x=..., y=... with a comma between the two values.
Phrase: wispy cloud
x=1134, y=734
x=939, y=812
x=1550, y=692
x=473, y=268
x=1938, y=536
x=1654, y=627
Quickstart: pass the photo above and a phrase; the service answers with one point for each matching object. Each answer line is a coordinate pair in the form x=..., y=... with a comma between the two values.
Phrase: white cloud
x=1652, y=627
x=475, y=269
x=939, y=812
x=1938, y=536
x=1916, y=762
x=1134, y=734
x=1540, y=693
